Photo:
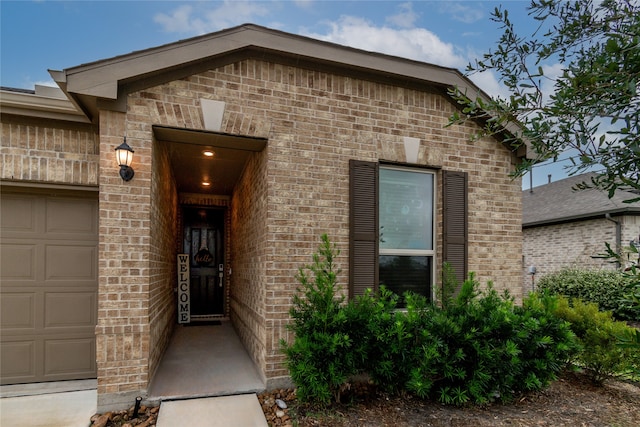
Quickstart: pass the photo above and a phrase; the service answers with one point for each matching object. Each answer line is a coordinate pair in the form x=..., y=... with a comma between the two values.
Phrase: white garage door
x=48, y=297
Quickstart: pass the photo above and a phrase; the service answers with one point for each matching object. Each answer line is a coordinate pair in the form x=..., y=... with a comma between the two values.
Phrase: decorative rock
x=279, y=414
x=281, y=404
x=102, y=420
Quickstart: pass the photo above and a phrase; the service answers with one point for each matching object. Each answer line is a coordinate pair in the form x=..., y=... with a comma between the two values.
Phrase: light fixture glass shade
x=124, y=154
x=124, y=157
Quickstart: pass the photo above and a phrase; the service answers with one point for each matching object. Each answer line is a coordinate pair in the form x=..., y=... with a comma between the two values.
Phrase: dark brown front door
x=204, y=242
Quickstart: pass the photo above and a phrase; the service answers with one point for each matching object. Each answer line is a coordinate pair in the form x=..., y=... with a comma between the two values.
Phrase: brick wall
x=316, y=123
x=162, y=257
x=550, y=248
x=46, y=151
x=249, y=258
x=122, y=332
x=289, y=194
x=630, y=231
x=297, y=188
x=574, y=244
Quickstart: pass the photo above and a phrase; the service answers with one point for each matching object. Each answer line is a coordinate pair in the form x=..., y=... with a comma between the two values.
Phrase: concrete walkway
x=207, y=379
x=206, y=366
x=65, y=409
x=204, y=361
x=226, y=411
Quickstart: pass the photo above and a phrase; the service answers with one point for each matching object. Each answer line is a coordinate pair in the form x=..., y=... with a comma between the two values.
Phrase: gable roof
x=558, y=202
x=105, y=83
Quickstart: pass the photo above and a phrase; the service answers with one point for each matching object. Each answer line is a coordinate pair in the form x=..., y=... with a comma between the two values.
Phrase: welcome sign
x=184, y=299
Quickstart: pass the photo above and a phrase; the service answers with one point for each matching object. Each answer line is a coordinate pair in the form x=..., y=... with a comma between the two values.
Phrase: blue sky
x=39, y=35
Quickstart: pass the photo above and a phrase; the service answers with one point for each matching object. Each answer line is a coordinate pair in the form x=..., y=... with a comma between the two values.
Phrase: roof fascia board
x=101, y=78
x=32, y=105
x=109, y=79
x=597, y=215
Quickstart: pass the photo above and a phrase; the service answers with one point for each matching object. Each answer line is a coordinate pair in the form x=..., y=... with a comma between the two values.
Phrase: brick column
x=122, y=331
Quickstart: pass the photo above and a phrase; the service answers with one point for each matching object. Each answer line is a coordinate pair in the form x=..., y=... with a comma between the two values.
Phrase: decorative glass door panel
x=204, y=242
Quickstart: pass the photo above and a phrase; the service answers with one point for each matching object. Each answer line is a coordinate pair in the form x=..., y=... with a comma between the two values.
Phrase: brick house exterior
x=292, y=114
x=563, y=227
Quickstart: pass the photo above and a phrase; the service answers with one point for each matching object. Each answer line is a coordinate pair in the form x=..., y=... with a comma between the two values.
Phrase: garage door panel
x=48, y=298
x=18, y=214
x=18, y=261
x=71, y=216
x=70, y=309
x=70, y=263
x=18, y=310
x=18, y=361
x=73, y=356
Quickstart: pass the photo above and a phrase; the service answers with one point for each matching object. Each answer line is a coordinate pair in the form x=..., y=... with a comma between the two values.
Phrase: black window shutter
x=363, y=227
x=455, y=224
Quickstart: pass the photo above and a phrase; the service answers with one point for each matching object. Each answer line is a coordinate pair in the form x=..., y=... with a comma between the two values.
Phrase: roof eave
x=103, y=84
x=35, y=105
x=101, y=78
x=632, y=211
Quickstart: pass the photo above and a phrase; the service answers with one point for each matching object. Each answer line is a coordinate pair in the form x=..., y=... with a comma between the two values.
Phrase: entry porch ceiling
x=191, y=167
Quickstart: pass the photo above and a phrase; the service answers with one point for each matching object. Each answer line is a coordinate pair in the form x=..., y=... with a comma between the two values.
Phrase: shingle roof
x=559, y=202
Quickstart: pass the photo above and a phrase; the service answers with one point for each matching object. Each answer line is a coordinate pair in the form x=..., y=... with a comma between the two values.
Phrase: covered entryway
x=49, y=244
x=209, y=353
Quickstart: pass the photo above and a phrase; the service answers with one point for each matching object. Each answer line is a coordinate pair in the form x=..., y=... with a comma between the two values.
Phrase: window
x=406, y=244
x=392, y=233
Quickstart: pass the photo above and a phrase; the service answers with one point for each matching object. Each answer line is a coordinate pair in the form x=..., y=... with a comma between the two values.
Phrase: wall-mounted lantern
x=532, y=271
x=124, y=156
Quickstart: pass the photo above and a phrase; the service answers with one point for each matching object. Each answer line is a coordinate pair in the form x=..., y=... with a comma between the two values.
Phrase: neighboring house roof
x=560, y=202
x=42, y=102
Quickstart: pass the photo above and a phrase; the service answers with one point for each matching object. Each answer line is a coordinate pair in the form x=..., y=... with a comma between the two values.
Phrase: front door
x=203, y=241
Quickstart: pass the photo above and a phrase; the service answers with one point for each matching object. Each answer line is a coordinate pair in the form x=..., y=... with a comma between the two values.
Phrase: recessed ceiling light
x=208, y=153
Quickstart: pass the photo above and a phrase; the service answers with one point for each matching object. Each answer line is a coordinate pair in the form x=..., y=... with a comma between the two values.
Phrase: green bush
x=384, y=338
x=484, y=348
x=322, y=356
x=603, y=287
x=601, y=356
x=476, y=347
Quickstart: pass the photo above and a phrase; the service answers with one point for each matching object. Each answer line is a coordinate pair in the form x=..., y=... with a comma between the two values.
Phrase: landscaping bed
x=570, y=401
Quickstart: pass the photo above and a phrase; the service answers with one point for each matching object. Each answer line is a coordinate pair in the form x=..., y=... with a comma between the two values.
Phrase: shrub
x=322, y=357
x=605, y=288
x=598, y=334
x=385, y=341
x=484, y=348
x=476, y=347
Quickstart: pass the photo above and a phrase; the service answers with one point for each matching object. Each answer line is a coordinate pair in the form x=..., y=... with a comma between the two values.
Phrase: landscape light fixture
x=124, y=156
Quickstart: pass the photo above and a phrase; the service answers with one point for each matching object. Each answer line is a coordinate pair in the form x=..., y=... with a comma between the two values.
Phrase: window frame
x=414, y=252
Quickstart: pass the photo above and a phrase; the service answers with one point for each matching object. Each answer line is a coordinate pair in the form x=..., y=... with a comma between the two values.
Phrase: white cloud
x=462, y=13
x=399, y=37
x=179, y=21
x=186, y=19
x=488, y=82
x=304, y=4
x=406, y=18
x=551, y=73
x=415, y=43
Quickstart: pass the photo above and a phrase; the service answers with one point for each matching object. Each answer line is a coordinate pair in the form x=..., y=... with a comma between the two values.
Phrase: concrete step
x=226, y=411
